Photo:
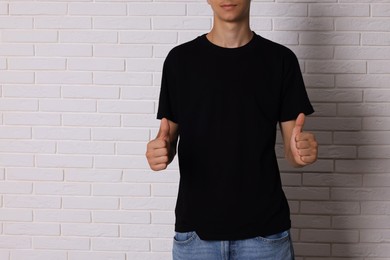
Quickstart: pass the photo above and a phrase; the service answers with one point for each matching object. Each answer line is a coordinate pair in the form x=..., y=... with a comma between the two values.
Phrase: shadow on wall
x=340, y=205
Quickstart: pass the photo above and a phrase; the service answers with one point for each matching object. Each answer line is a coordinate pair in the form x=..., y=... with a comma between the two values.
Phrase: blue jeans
x=188, y=246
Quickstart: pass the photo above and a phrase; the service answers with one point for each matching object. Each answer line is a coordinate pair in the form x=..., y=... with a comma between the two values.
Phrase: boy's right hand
x=158, y=150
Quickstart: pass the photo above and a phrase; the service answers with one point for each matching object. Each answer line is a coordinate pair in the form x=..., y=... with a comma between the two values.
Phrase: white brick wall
x=79, y=83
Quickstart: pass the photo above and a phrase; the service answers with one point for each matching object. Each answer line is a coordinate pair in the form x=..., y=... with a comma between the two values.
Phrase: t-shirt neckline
x=225, y=50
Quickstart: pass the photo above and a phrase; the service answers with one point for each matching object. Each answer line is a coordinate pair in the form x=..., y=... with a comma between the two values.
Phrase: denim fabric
x=188, y=246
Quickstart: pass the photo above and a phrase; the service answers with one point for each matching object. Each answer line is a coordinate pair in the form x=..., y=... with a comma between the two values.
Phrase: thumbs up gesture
x=161, y=150
x=304, y=147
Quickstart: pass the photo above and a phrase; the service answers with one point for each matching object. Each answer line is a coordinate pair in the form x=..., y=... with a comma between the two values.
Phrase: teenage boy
x=222, y=96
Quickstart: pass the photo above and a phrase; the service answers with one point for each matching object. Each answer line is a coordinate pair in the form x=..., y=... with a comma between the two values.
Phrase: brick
x=163, y=217
x=375, y=38
x=99, y=120
x=62, y=216
x=303, y=24
x=325, y=95
x=313, y=52
x=380, y=10
x=97, y=9
x=375, y=208
x=120, y=162
x=362, y=53
x=128, y=190
x=178, y=23
x=140, y=93
x=51, y=188
x=148, y=176
x=87, y=92
x=63, y=50
x=362, y=24
x=329, y=38
x=11, y=132
x=311, y=249
x=147, y=231
x=157, y=9
x=332, y=180
x=122, y=217
x=90, y=230
x=131, y=148
x=123, y=51
x=96, y=64
x=36, y=64
x=330, y=236
x=329, y=208
x=278, y=10
x=4, y=8
x=149, y=255
x=125, y=245
x=149, y=37
x=342, y=67
x=31, y=91
x=19, y=146
x=333, y=123
x=339, y=10
x=94, y=203
x=120, y=134
x=128, y=78
x=85, y=148
x=164, y=190
x=376, y=123
x=67, y=105
x=16, y=22
x=363, y=194
x=88, y=37
x=337, y=152
x=63, y=161
x=362, y=81
x=34, y=174
x=16, y=50
x=95, y=255
x=15, y=242
x=62, y=22
x=363, y=166
x=28, y=201
x=122, y=23
x=38, y=8
x=375, y=235
x=32, y=229
x=57, y=77
x=380, y=250
x=380, y=67
x=162, y=245
x=299, y=193
x=365, y=109
x=16, y=215
x=374, y=152
x=126, y=107
x=148, y=203
x=310, y=221
x=361, y=138
x=376, y=180
x=64, y=243
x=61, y=133
x=16, y=77
x=37, y=255
x=144, y=65
x=29, y=36
x=92, y=175
x=16, y=160
x=319, y=81
x=283, y=37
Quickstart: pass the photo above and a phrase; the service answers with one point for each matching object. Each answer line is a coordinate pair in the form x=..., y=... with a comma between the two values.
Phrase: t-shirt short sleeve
x=294, y=96
x=167, y=101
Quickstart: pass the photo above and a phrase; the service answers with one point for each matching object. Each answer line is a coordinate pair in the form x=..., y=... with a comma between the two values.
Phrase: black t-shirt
x=227, y=102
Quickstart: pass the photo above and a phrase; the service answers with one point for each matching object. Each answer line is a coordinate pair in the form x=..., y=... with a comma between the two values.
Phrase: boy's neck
x=230, y=35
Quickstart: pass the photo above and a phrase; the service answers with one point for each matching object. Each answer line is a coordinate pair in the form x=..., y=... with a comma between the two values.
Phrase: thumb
x=163, y=132
x=299, y=122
